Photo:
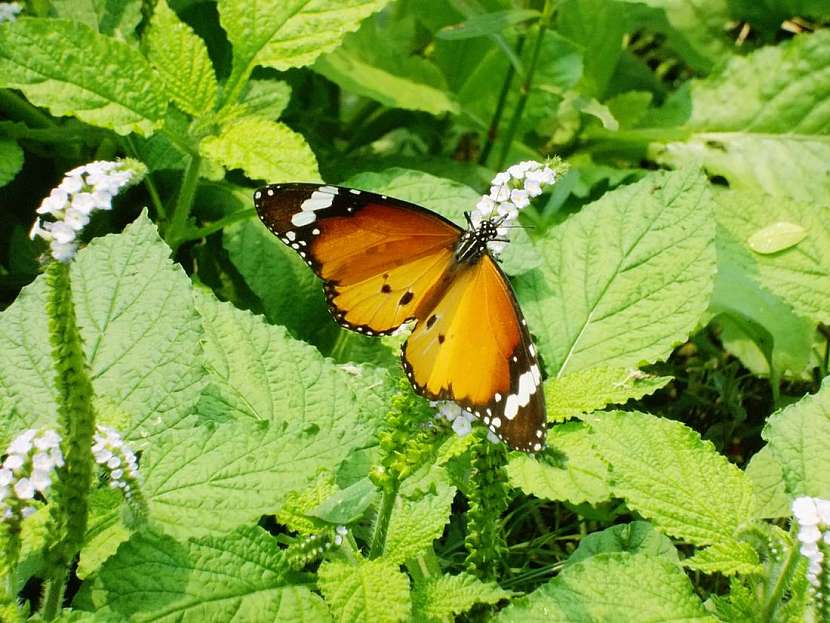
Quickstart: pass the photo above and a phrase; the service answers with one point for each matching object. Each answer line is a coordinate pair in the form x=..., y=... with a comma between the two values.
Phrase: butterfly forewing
x=385, y=261
x=379, y=257
x=472, y=347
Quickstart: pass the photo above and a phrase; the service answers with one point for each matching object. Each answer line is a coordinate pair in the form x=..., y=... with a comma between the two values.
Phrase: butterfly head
x=473, y=242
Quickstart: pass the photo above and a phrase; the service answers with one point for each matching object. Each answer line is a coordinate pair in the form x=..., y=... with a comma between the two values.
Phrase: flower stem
x=76, y=419
x=781, y=582
x=387, y=503
x=525, y=88
x=492, y=131
x=176, y=233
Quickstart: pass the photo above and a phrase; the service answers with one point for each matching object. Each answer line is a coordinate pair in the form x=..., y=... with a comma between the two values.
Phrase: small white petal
x=102, y=456
x=22, y=444
x=71, y=184
x=39, y=231
x=809, y=534
x=805, y=511
x=113, y=462
x=338, y=540
x=519, y=198
x=48, y=439
x=117, y=474
x=462, y=426
x=75, y=219
x=492, y=437
x=63, y=252
x=6, y=476
x=27, y=511
x=42, y=461
x=486, y=206
x=41, y=479
x=501, y=179
x=500, y=193
x=63, y=233
x=24, y=489
x=823, y=510
x=341, y=530
x=14, y=462
x=57, y=457
x=55, y=203
x=84, y=203
x=810, y=550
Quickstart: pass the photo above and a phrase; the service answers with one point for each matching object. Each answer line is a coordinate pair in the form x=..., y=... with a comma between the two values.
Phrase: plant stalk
x=381, y=527
x=181, y=213
x=493, y=130
x=782, y=581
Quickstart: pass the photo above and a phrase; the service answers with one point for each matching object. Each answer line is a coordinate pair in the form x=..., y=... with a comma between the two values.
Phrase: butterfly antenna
x=469, y=220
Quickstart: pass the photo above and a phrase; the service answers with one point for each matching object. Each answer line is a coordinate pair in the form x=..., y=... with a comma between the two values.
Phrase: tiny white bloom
x=63, y=252
x=341, y=529
x=42, y=461
x=338, y=540
x=71, y=184
x=54, y=203
x=48, y=439
x=84, y=203
x=113, y=462
x=485, y=206
x=492, y=437
x=809, y=534
x=14, y=462
x=500, y=193
x=10, y=11
x=501, y=179
x=461, y=426
x=6, y=477
x=805, y=511
x=41, y=479
x=62, y=233
x=24, y=489
x=22, y=443
x=76, y=219
x=26, y=512
x=519, y=198
x=823, y=510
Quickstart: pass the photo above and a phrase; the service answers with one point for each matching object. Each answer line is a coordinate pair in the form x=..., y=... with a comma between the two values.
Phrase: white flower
x=811, y=514
x=6, y=477
x=41, y=479
x=519, y=198
x=48, y=439
x=10, y=11
x=83, y=190
x=485, y=206
x=14, y=462
x=501, y=179
x=22, y=443
x=809, y=534
x=492, y=437
x=24, y=489
x=500, y=193
x=462, y=426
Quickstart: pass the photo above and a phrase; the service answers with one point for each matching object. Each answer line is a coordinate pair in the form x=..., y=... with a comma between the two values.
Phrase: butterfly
x=386, y=262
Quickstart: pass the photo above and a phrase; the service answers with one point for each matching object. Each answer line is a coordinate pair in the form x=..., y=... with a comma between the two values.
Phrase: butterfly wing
x=473, y=347
x=380, y=258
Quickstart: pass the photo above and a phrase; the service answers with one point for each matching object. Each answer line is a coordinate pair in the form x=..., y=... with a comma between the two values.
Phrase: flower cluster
x=460, y=419
x=83, y=190
x=510, y=191
x=31, y=460
x=813, y=517
x=9, y=11
x=117, y=459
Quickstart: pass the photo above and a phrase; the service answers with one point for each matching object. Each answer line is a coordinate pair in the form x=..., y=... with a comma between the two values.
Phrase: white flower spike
x=31, y=460
x=116, y=457
x=83, y=190
x=813, y=518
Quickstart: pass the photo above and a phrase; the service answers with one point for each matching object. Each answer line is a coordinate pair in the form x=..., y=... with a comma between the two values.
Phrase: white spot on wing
x=317, y=201
x=258, y=194
x=301, y=219
x=511, y=407
x=496, y=422
x=497, y=397
x=354, y=191
x=328, y=189
x=290, y=235
x=315, y=231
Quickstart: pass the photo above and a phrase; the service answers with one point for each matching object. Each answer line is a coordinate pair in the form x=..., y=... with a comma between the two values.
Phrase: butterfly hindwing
x=379, y=257
x=473, y=348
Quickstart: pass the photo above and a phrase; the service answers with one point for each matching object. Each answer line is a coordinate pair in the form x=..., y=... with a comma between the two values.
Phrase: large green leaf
x=369, y=591
x=72, y=70
x=641, y=253
x=637, y=537
x=575, y=472
x=287, y=33
x=800, y=274
x=181, y=59
x=799, y=437
x=762, y=121
x=767, y=478
x=617, y=587
x=240, y=577
x=117, y=18
x=263, y=149
x=378, y=62
x=669, y=475
x=416, y=523
x=140, y=331
x=442, y=598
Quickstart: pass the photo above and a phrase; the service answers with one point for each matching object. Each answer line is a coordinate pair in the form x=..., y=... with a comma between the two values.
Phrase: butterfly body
x=386, y=262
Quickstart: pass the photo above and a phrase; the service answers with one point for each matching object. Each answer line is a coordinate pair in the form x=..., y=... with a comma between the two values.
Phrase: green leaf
x=728, y=558
x=417, y=522
x=371, y=590
x=290, y=293
x=241, y=576
x=11, y=160
x=445, y=597
x=637, y=537
x=598, y=27
x=72, y=70
x=699, y=25
x=294, y=513
x=346, y=505
x=287, y=33
x=263, y=149
x=576, y=473
x=767, y=480
x=378, y=62
x=800, y=274
x=266, y=98
x=665, y=472
x=487, y=24
x=798, y=437
x=181, y=59
x=641, y=252
x=140, y=332
x=118, y=18
x=775, y=137
x=592, y=389
x=612, y=587
x=105, y=531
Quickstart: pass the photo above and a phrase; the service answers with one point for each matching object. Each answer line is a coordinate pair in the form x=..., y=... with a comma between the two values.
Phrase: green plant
x=675, y=280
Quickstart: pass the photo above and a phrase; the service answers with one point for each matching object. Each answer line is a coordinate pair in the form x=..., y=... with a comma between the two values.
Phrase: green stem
x=782, y=581
x=76, y=418
x=17, y=107
x=176, y=233
x=149, y=184
x=207, y=230
x=525, y=89
x=387, y=503
x=53, y=600
x=492, y=131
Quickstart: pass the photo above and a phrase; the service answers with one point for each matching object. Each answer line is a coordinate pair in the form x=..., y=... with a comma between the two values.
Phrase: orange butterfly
x=385, y=262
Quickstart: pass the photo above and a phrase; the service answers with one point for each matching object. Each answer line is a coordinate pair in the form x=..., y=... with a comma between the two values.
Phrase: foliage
x=676, y=281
